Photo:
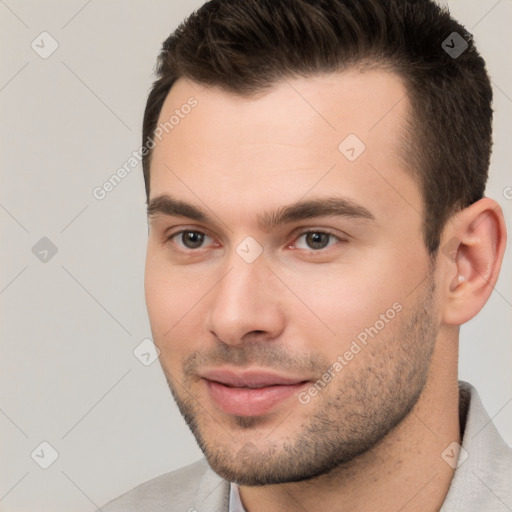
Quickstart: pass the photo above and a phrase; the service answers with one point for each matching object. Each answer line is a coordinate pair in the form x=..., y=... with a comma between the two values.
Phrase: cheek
x=340, y=303
x=172, y=298
x=159, y=296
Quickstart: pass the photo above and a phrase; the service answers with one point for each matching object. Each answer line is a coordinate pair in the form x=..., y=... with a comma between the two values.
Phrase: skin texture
x=372, y=438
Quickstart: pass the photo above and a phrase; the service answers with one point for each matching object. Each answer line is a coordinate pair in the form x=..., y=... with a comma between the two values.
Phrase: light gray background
x=70, y=325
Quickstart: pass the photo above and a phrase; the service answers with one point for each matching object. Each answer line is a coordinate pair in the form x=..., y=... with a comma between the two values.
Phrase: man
x=315, y=175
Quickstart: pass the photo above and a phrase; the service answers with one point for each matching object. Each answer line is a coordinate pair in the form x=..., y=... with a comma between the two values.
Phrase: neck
x=405, y=471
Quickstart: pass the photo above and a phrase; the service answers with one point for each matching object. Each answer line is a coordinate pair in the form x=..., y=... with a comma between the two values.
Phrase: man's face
x=292, y=340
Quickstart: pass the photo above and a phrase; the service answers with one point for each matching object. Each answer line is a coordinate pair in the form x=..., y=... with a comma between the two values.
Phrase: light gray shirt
x=482, y=481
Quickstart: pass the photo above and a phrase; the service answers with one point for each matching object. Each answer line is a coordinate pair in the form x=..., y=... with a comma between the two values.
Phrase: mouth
x=250, y=392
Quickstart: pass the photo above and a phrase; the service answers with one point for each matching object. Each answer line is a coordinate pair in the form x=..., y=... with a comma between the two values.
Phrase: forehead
x=339, y=131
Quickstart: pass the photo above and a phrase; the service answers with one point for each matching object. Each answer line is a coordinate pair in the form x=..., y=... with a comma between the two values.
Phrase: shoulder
x=176, y=490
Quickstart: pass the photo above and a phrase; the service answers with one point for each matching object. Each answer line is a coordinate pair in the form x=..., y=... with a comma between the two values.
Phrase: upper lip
x=250, y=378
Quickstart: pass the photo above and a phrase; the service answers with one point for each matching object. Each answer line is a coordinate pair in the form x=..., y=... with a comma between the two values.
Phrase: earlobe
x=477, y=240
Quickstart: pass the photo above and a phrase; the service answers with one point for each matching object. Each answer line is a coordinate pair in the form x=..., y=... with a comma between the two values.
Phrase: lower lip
x=250, y=401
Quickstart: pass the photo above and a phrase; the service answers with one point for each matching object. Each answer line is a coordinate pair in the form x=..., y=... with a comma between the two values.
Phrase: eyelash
x=302, y=233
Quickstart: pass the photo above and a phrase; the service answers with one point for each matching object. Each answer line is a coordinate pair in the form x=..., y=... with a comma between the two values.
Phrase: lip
x=250, y=392
x=250, y=378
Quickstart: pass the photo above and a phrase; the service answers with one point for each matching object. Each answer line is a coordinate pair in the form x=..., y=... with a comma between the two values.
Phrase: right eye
x=188, y=239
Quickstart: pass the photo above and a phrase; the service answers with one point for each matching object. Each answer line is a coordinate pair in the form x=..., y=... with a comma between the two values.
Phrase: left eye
x=316, y=240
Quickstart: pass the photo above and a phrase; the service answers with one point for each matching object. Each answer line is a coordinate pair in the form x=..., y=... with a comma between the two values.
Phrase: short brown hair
x=246, y=46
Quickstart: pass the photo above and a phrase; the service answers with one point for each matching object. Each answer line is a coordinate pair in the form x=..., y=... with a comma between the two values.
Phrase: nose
x=246, y=303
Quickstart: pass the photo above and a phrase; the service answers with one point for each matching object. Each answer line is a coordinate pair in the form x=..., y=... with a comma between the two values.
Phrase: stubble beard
x=342, y=425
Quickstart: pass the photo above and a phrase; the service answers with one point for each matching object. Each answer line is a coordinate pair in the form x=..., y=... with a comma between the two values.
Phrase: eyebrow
x=301, y=210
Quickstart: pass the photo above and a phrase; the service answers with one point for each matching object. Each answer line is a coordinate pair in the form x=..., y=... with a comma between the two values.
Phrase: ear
x=471, y=254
